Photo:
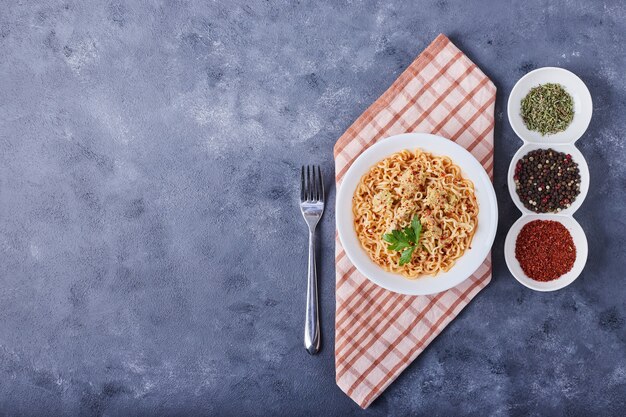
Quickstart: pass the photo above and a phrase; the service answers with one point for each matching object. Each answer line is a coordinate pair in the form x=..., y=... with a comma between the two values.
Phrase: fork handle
x=312, y=325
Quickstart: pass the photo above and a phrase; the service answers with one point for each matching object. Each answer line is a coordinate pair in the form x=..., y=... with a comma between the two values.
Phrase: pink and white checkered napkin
x=378, y=333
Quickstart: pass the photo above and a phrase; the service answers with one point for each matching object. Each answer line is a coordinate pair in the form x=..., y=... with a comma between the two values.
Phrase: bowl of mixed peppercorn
x=551, y=179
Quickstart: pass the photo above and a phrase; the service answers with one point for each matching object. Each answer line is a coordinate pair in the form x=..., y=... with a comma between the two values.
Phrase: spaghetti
x=410, y=183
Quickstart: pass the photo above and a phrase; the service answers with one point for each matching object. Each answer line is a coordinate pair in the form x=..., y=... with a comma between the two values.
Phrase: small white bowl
x=576, y=157
x=580, y=241
x=583, y=106
x=483, y=239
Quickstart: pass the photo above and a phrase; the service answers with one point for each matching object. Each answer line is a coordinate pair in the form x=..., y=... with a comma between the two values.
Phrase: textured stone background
x=152, y=254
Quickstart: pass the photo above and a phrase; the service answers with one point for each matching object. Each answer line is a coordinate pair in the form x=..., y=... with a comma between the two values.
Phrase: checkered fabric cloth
x=378, y=333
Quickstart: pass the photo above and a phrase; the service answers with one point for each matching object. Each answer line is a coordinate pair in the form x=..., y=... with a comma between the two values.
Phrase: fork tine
x=321, y=184
x=313, y=184
x=308, y=183
x=302, y=184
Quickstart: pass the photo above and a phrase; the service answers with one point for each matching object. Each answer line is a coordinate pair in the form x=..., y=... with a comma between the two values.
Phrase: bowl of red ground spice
x=546, y=252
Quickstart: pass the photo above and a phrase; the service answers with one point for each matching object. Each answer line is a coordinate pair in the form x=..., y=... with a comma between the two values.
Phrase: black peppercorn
x=544, y=190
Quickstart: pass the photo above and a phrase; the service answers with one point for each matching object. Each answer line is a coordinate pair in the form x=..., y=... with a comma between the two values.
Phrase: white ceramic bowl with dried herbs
x=574, y=86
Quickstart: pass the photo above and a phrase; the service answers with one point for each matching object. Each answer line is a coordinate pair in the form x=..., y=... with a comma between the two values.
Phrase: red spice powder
x=545, y=250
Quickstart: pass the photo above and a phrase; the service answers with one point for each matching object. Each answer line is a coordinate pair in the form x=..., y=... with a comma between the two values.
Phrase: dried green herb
x=548, y=109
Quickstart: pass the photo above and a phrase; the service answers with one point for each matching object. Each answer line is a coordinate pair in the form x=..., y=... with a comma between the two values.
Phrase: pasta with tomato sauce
x=409, y=184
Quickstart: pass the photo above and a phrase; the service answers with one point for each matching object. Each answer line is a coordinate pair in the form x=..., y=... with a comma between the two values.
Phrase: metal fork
x=312, y=207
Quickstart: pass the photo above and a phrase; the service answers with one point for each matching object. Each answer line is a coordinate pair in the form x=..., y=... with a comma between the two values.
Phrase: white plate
x=487, y=214
x=583, y=106
x=580, y=241
x=576, y=157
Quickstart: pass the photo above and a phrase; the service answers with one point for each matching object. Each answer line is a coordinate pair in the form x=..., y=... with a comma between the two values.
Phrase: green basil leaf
x=401, y=245
x=388, y=237
x=417, y=228
x=406, y=255
x=410, y=234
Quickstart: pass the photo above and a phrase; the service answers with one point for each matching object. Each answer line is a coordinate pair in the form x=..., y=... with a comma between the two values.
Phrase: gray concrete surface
x=152, y=255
